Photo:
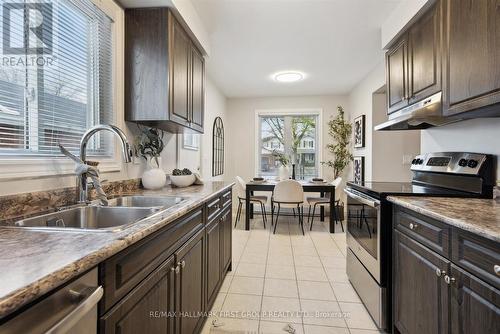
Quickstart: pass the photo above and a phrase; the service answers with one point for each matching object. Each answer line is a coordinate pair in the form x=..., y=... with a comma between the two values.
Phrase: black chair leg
x=276, y=222
x=272, y=213
x=309, y=214
x=238, y=214
x=301, y=219
x=312, y=217
x=263, y=213
x=294, y=213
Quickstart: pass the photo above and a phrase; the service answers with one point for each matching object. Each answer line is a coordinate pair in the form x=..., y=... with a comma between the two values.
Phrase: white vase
x=154, y=177
x=284, y=173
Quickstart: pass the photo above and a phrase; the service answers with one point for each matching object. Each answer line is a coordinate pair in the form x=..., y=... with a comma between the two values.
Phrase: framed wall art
x=359, y=169
x=359, y=132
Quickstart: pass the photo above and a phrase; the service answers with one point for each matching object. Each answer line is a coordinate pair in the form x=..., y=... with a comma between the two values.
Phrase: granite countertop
x=36, y=262
x=479, y=216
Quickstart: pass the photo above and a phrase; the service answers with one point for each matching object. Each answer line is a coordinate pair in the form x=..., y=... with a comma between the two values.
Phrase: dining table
x=308, y=186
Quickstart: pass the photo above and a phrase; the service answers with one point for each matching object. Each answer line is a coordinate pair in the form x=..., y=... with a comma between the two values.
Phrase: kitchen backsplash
x=15, y=207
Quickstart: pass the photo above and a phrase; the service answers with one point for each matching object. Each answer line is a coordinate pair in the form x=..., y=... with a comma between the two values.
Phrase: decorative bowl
x=182, y=180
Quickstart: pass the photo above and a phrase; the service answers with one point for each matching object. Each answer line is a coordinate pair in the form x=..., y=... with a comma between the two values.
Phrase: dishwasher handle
x=370, y=202
x=85, y=306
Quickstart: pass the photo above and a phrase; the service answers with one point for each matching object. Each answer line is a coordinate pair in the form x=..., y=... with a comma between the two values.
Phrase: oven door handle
x=372, y=203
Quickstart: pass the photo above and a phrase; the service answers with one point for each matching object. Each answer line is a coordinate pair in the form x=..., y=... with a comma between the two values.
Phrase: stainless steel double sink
x=121, y=212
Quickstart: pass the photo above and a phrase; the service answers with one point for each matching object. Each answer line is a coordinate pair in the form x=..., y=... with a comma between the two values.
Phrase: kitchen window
x=57, y=82
x=292, y=135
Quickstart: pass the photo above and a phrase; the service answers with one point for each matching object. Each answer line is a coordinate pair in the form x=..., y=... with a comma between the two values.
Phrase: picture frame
x=191, y=141
x=359, y=131
x=358, y=169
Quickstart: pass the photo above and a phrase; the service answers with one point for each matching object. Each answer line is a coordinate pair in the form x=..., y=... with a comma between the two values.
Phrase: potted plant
x=340, y=131
x=149, y=145
x=182, y=178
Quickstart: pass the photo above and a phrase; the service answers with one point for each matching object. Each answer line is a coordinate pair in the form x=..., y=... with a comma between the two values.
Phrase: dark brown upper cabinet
x=413, y=63
x=397, y=75
x=164, y=72
x=472, y=56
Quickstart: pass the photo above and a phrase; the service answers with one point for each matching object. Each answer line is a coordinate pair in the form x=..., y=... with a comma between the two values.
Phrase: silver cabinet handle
x=66, y=324
x=177, y=269
x=496, y=268
x=449, y=279
x=440, y=272
x=183, y=264
x=413, y=226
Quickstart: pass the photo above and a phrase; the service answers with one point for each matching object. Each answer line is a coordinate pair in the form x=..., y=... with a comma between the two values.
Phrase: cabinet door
x=420, y=294
x=146, y=308
x=180, y=55
x=190, y=284
x=213, y=259
x=424, y=55
x=197, y=90
x=475, y=305
x=472, y=55
x=227, y=232
x=397, y=76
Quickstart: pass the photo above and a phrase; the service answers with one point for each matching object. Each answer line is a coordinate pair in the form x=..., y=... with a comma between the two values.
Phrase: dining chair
x=288, y=194
x=241, y=193
x=323, y=201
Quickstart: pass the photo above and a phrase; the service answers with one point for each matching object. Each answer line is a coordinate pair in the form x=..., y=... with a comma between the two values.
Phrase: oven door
x=363, y=230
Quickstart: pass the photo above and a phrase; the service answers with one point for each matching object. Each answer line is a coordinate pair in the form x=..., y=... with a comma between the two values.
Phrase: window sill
x=24, y=168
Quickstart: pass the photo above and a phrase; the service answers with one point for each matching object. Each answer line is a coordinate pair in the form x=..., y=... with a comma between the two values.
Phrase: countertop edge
x=469, y=227
x=19, y=298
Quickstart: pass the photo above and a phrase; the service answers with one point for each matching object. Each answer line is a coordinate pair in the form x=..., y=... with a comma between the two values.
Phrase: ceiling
x=336, y=43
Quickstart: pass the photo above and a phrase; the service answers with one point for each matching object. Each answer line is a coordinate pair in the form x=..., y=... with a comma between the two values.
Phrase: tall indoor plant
x=149, y=145
x=340, y=131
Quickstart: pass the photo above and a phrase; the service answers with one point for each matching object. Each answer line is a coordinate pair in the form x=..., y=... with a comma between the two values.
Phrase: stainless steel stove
x=369, y=217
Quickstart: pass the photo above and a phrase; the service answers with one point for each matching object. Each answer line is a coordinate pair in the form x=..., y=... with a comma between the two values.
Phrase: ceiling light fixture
x=288, y=76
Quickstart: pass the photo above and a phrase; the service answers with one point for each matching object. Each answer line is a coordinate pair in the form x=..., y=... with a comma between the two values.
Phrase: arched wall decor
x=218, y=147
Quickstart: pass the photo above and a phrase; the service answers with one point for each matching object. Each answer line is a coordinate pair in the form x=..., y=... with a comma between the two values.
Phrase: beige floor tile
x=334, y=262
x=269, y=327
x=280, y=288
x=310, y=274
x=324, y=313
x=337, y=275
x=253, y=257
x=315, y=290
x=307, y=261
x=281, y=309
x=233, y=325
x=358, y=316
x=314, y=329
x=279, y=271
x=345, y=293
x=219, y=300
x=225, y=284
x=247, y=285
x=364, y=331
x=284, y=260
x=304, y=250
x=251, y=269
x=241, y=306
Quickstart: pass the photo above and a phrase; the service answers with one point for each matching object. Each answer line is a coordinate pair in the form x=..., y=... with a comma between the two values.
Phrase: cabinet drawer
x=477, y=255
x=126, y=269
x=425, y=230
x=213, y=208
x=226, y=199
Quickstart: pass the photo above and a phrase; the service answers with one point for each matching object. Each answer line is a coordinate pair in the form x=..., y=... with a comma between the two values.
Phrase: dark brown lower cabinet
x=214, y=262
x=475, y=305
x=146, y=308
x=227, y=239
x=420, y=295
x=190, y=284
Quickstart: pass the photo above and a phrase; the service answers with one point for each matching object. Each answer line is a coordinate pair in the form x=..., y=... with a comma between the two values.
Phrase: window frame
x=16, y=167
x=317, y=112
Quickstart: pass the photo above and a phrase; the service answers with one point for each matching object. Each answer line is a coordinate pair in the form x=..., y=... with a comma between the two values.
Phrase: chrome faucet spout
x=127, y=154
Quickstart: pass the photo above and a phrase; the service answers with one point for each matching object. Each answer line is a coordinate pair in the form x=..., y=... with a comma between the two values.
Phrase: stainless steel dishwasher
x=70, y=309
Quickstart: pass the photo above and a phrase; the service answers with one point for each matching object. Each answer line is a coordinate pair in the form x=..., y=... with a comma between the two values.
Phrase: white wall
x=241, y=127
x=477, y=135
x=383, y=151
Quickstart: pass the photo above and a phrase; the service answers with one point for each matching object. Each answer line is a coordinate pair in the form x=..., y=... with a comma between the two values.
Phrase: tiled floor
x=288, y=279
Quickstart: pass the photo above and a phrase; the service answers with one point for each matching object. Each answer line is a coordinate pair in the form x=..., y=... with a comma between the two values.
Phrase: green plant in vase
x=149, y=145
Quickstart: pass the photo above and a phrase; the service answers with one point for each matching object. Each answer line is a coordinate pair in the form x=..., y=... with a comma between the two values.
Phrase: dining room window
x=55, y=77
x=288, y=137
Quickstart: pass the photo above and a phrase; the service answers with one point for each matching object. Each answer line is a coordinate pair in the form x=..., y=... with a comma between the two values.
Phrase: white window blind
x=47, y=98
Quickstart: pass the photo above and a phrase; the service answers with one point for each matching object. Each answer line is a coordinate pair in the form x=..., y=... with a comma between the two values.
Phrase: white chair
x=288, y=194
x=241, y=192
x=323, y=201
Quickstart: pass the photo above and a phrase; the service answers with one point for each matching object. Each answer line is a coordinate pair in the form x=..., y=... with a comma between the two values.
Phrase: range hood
x=420, y=115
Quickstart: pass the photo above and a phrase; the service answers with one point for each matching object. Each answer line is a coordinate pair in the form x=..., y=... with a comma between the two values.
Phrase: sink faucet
x=82, y=179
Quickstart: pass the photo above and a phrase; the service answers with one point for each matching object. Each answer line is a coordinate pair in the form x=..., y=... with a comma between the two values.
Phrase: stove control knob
x=462, y=162
x=414, y=162
x=420, y=161
x=472, y=163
